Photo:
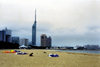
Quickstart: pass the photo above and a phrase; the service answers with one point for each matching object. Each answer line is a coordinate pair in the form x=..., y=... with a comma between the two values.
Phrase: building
x=24, y=42
x=15, y=40
x=92, y=47
x=49, y=41
x=8, y=35
x=45, y=41
x=34, y=32
x=5, y=35
x=1, y=38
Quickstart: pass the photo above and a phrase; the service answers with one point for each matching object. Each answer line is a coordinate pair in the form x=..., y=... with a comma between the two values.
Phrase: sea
x=82, y=51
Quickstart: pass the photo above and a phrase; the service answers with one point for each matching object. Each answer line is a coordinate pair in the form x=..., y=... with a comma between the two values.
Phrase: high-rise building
x=5, y=35
x=15, y=40
x=49, y=41
x=8, y=35
x=1, y=38
x=24, y=42
x=45, y=41
x=34, y=31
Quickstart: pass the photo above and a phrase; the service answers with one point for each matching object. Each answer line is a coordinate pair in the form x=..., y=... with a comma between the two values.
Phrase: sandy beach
x=41, y=59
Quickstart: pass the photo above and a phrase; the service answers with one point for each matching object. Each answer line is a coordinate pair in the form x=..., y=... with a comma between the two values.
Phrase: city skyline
x=68, y=22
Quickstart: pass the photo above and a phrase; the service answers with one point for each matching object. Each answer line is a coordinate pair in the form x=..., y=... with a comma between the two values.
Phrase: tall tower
x=34, y=31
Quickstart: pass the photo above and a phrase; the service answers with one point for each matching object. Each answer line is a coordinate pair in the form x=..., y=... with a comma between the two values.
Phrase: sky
x=68, y=22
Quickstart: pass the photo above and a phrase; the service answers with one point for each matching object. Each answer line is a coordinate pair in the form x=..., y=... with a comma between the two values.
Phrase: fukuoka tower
x=34, y=31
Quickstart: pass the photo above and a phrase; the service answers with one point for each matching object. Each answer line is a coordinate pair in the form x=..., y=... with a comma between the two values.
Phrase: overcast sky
x=68, y=22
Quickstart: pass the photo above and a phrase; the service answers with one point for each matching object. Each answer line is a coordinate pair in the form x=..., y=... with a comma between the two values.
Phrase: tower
x=34, y=31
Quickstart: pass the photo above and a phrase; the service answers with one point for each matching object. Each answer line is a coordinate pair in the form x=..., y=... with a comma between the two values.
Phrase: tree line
x=7, y=45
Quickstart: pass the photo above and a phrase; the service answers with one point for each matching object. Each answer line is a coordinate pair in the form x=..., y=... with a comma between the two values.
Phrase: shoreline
x=68, y=51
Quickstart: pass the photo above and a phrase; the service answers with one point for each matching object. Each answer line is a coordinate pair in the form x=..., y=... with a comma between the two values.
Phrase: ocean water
x=82, y=51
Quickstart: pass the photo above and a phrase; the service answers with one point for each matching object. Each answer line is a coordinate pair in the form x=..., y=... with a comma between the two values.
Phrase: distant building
x=8, y=35
x=1, y=36
x=34, y=32
x=24, y=42
x=5, y=35
x=92, y=47
x=49, y=41
x=45, y=41
x=15, y=40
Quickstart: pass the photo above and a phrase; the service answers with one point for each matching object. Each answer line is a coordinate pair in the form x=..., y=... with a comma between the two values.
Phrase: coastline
x=81, y=51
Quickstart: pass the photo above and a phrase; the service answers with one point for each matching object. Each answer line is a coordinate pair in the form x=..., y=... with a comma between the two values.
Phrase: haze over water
x=82, y=51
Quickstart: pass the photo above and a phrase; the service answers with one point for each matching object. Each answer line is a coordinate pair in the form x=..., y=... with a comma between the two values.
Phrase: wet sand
x=41, y=59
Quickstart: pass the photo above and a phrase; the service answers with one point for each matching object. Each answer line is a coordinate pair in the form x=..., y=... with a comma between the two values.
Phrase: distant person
x=44, y=52
x=31, y=54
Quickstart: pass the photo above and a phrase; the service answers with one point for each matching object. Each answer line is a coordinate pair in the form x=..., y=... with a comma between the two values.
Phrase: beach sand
x=41, y=59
